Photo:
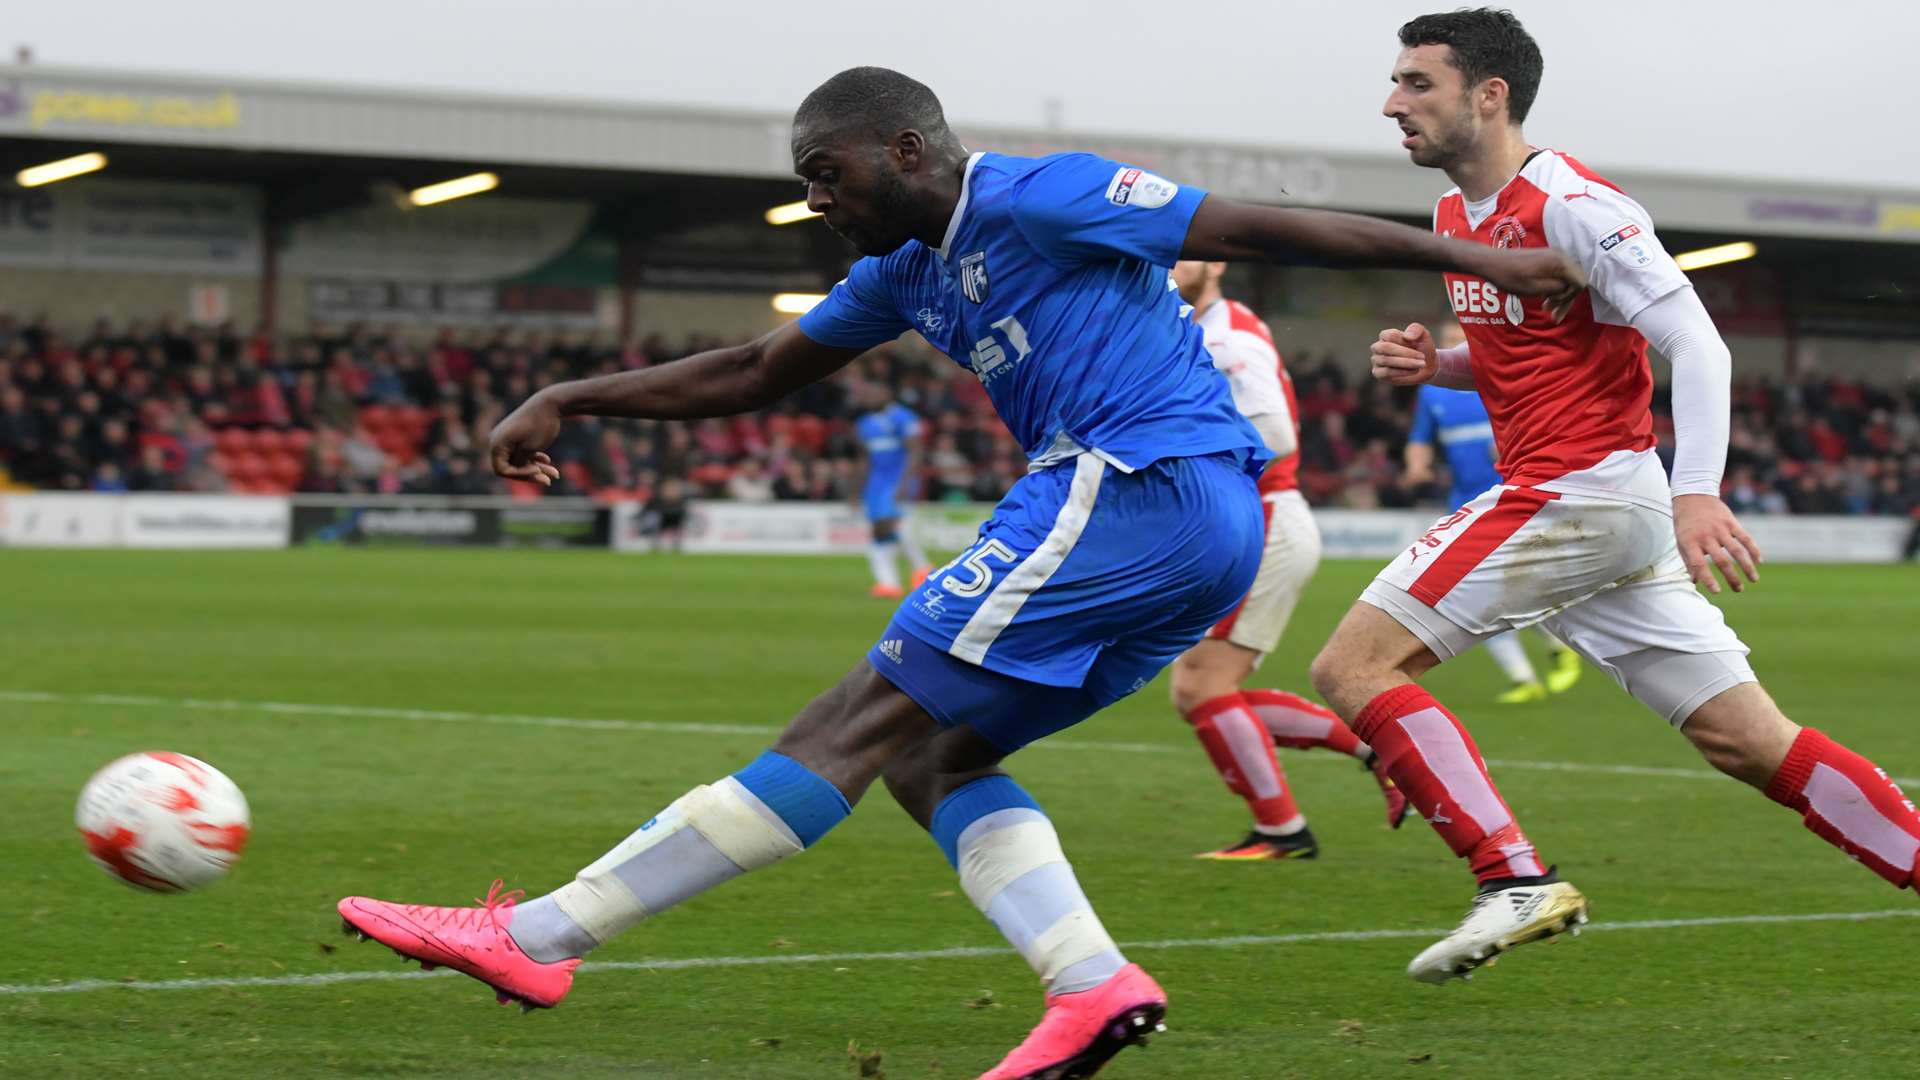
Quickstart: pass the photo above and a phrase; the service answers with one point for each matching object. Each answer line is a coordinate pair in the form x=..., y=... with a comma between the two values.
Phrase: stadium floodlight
x=458, y=188
x=1714, y=256
x=796, y=303
x=64, y=169
x=788, y=213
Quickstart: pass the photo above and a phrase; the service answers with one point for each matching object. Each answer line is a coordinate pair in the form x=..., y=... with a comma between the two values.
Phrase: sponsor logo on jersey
x=973, y=277
x=1620, y=236
x=891, y=649
x=1137, y=187
x=930, y=320
x=1516, y=311
x=1629, y=245
x=1508, y=232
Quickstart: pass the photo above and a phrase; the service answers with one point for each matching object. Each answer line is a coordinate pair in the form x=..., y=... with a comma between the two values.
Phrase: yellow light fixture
x=1714, y=256
x=458, y=188
x=796, y=303
x=788, y=213
x=64, y=169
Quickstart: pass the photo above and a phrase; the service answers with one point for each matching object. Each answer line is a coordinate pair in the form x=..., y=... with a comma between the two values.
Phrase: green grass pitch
x=438, y=777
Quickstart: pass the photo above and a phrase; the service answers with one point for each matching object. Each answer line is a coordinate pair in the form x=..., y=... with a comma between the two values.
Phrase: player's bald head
x=871, y=103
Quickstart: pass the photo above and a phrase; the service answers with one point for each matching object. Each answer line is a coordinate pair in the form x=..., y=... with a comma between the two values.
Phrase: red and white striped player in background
x=1586, y=536
x=1240, y=728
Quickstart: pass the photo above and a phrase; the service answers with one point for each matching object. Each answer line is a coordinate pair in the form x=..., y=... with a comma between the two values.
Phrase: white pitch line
x=964, y=952
x=294, y=708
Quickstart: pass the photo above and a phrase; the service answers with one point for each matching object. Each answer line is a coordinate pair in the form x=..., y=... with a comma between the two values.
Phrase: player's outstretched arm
x=1224, y=230
x=720, y=382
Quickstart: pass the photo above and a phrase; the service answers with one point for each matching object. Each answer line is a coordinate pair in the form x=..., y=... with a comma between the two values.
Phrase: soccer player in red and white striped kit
x=1239, y=728
x=1586, y=537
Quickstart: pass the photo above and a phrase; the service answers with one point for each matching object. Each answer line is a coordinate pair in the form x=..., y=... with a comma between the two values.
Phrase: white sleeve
x=1276, y=430
x=1612, y=239
x=1679, y=327
x=1252, y=368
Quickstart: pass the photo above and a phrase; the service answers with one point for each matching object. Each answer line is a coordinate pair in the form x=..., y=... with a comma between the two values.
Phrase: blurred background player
x=1588, y=534
x=889, y=455
x=1457, y=420
x=1239, y=728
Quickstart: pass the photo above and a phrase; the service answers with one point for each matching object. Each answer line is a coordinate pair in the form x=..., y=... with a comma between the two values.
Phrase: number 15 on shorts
x=970, y=573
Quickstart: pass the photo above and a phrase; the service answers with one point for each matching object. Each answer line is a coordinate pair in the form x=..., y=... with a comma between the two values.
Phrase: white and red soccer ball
x=163, y=821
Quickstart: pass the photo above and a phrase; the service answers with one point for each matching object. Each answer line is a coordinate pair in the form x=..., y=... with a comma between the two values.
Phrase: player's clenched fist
x=1405, y=357
x=520, y=441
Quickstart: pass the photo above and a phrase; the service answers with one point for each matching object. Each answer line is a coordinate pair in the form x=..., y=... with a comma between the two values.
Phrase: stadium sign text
x=44, y=109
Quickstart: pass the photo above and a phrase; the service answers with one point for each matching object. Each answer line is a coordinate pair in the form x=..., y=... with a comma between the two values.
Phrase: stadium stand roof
x=287, y=127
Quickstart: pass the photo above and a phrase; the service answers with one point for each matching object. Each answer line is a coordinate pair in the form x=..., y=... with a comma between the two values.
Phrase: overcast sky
x=1710, y=87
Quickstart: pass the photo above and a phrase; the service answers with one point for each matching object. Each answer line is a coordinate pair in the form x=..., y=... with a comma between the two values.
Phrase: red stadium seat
x=377, y=418
x=247, y=467
x=297, y=440
x=268, y=441
x=286, y=469
x=233, y=440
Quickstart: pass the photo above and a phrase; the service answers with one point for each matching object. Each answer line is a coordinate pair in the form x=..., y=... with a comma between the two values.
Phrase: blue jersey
x=883, y=435
x=1052, y=287
x=1457, y=419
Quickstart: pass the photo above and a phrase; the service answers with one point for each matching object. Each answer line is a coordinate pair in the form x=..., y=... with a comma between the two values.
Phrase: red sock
x=1850, y=803
x=1433, y=759
x=1295, y=722
x=1242, y=753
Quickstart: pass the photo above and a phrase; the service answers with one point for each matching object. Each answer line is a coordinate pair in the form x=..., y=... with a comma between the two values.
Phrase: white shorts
x=1291, y=555
x=1603, y=575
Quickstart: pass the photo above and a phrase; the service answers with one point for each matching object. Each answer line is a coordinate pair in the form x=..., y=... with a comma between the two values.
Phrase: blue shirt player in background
x=888, y=433
x=1137, y=527
x=1456, y=420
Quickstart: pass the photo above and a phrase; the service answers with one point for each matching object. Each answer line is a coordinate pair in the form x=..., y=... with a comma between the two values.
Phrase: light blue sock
x=773, y=808
x=1013, y=870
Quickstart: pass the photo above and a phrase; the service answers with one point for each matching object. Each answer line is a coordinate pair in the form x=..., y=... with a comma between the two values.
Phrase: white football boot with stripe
x=1498, y=921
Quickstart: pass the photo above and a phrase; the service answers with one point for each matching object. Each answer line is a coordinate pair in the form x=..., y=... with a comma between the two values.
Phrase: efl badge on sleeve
x=973, y=276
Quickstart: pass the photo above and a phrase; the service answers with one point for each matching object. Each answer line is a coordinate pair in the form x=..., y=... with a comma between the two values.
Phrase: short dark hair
x=1486, y=43
x=875, y=101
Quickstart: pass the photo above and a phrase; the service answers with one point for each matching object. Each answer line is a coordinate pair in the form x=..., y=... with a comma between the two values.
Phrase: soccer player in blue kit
x=1457, y=421
x=1137, y=527
x=885, y=430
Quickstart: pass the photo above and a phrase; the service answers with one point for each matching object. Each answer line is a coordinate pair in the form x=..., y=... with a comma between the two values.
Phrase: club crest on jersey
x=1508, y=232
x=1137, y=187
x=973, y=277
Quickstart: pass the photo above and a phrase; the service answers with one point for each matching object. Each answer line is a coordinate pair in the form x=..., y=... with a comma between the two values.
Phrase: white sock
x=1012, y=868
x=880, y=557
x=916, y=558
x=710, y=835
x=1511, y=655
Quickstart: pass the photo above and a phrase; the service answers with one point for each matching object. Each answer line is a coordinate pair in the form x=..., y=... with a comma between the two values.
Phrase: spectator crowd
x=156, y=406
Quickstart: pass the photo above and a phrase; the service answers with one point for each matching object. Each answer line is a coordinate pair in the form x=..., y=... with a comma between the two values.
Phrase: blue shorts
x=882, y=497
x=1084, y=583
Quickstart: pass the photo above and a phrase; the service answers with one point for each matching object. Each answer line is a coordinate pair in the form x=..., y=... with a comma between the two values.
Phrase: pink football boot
x=472, y=940
x=1081, y=1032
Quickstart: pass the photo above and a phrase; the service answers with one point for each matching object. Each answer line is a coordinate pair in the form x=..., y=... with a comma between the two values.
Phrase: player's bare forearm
x=1226, y=230
x=719, y=382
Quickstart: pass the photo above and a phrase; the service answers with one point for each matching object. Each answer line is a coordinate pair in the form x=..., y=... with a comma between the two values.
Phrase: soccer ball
x=162, y=821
